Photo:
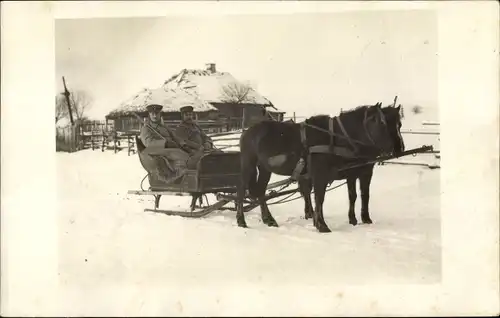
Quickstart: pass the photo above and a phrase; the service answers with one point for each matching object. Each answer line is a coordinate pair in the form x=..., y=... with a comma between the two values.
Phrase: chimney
x=210, y=67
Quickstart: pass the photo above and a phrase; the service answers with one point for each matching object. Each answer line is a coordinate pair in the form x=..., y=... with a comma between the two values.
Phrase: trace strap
x=349, y=139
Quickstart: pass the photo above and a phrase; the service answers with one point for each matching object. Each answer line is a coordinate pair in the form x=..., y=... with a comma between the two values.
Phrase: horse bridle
x=384, y=122
x=345, y=135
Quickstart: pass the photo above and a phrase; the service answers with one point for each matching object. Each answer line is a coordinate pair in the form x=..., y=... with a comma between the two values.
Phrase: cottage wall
x=229, y=110
x=131, y=123
x=253, y=113
x=126, y=123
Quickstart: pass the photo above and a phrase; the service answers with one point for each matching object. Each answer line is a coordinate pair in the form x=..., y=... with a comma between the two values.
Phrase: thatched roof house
x=214, y=96
x=170, y=99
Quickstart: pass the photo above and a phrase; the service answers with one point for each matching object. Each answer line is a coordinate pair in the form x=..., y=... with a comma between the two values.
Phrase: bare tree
x=80, y=100
x=235, y=92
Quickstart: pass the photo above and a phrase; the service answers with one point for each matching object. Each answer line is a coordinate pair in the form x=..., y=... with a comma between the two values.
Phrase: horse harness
x=331, y=148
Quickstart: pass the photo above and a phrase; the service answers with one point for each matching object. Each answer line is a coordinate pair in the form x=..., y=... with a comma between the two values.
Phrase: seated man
x=198, y=141
x=159, y=141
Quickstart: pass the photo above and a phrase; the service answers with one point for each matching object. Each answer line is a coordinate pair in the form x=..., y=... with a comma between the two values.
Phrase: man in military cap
x=159, y=140
x=149, y=137
x=189, y=131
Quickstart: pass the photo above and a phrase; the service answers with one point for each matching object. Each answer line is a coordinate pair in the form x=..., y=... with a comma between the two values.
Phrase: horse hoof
x=367, y=221
x=242, y=224
x=353, y=222
x=324, y=229
x=272, y=224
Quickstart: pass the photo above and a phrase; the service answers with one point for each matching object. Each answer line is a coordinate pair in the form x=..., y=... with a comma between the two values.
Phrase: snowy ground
x=108, y=242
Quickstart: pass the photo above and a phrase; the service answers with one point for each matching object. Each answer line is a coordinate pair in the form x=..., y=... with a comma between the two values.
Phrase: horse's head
x=377, y=134
x=393, y=119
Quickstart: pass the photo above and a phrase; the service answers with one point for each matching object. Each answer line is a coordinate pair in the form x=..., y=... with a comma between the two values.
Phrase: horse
x=276, y=147
x=363, y=172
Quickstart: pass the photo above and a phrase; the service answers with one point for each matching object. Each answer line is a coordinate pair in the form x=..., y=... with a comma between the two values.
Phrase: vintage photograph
x=249, y=158
x=248, y=149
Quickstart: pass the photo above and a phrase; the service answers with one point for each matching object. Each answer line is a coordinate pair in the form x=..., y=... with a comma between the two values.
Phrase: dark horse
x=322, y=141
x=362, y=172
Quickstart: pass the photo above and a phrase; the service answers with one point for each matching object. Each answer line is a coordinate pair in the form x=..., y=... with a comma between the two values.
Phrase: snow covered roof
x=198, y=88
x=214, y=87
x=171, y=100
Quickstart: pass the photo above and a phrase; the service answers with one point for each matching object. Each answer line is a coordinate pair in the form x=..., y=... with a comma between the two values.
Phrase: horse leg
x=319, y=198
x=351, y=188
x=247, y=180
x=260, y=193
x=305, y=188
x=240, y=217
x=320, y=181
x=364, y=184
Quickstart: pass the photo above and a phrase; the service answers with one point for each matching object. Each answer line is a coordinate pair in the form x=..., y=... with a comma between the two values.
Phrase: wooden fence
x=67, y=139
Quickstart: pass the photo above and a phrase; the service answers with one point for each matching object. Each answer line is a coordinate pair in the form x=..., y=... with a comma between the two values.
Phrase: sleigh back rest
x=219, y=170
x=147, y=162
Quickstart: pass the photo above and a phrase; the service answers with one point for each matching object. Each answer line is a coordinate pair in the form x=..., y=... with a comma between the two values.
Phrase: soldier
x=151, y=138
x=189, y=131
x=159, y=141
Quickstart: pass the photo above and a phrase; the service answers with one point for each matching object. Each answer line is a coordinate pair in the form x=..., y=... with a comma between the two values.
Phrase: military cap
x=154, y=107
x=187, y=108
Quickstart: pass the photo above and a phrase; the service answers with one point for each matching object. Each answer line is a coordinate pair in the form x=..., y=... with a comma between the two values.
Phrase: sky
x=304, y=63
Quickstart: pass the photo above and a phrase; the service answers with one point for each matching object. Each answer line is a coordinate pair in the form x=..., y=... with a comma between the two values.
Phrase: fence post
x=115, y=137
x=104, y=139
x=243, y=118
x=76, y=135
x=73, y=138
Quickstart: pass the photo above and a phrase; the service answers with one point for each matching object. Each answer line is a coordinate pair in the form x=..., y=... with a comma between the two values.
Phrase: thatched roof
x=198, y=88
x=171, y=100
x=215, y=87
